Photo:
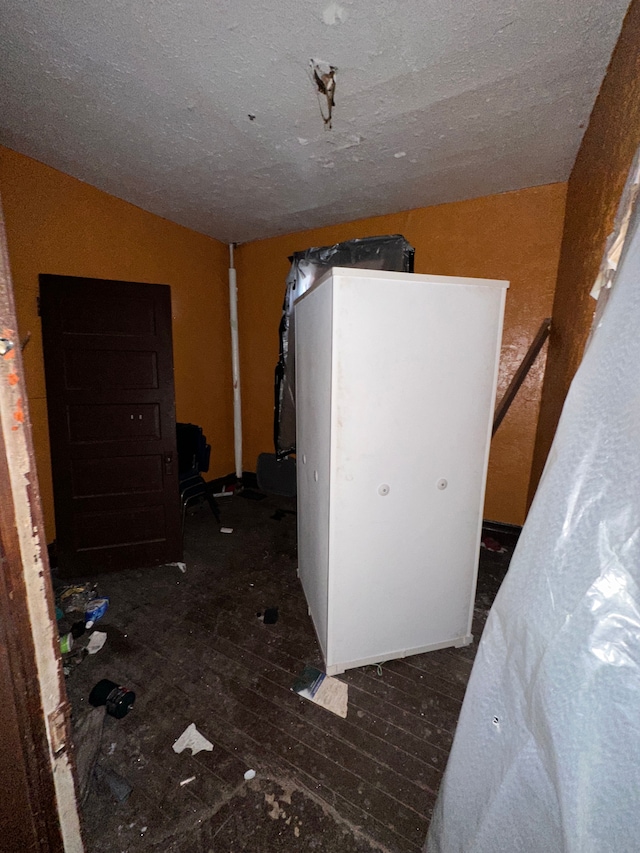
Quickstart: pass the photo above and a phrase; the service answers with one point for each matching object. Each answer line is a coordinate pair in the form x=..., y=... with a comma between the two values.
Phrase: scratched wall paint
x=57, y=224
x=594, y=190
x=513, y=236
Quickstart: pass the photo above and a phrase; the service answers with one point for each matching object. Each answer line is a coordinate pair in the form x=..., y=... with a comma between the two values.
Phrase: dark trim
x=502, y=527
x=249, y=481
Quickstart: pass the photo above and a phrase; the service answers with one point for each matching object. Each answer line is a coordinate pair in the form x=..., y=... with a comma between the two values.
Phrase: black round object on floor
x=118, y=700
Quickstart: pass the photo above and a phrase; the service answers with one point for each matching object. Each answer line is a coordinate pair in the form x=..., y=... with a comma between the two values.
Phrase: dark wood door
x=110, y=397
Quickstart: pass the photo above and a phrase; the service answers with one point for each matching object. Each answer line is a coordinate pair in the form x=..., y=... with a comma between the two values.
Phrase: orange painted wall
x=514, y=236
x=595, y=186
x=57, y=224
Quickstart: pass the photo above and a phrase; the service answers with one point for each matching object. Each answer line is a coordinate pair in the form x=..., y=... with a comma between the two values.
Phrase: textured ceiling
x=435, y=101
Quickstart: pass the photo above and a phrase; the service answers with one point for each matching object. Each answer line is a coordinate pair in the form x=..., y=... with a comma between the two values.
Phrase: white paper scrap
x=179, y=565
x=249, y=775
x=328, y=692
x=226, y=530
x=333, y=695
x=96, y=642
x=193, y=740
x=186, y=781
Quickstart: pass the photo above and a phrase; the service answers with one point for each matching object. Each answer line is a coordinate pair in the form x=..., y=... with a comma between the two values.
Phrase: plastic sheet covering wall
x=391, y=253
x=547, y=752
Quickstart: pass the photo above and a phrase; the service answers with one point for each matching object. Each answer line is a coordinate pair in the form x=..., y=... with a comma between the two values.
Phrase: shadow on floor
x=194, y=650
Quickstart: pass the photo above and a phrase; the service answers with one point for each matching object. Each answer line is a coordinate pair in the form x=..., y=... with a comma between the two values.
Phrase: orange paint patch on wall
x=57, y=224
x=595, y=186
x=514, y=236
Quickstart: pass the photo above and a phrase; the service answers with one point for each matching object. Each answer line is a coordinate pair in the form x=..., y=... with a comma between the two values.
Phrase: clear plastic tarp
x=391, y=253
x=547, y=752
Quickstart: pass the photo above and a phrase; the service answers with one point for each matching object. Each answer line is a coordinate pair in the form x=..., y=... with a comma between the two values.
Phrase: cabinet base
x=338, y=668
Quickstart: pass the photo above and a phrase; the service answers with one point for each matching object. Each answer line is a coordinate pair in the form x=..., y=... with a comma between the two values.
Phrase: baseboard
x=501, y=527
x=249, y=481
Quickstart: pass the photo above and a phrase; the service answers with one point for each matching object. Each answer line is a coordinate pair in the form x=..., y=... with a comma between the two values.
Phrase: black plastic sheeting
x=391, y=253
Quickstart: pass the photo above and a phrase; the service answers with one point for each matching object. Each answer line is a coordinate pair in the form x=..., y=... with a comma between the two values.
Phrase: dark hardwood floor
x=193, y=649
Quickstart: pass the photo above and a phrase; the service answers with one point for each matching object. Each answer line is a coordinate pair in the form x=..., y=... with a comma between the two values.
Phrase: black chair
x=193, y=461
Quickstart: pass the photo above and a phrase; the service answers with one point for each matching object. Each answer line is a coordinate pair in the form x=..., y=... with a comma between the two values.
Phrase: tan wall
x=513, y=236
x=594, y=190
x=57, y=224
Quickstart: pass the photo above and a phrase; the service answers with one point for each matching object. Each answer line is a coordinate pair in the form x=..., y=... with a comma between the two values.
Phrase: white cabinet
x=395, y=390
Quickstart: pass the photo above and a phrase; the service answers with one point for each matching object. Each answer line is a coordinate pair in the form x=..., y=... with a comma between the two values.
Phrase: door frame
x=27, y=603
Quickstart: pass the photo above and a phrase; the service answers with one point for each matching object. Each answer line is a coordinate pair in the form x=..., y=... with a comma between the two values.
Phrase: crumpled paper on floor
x=193, y=740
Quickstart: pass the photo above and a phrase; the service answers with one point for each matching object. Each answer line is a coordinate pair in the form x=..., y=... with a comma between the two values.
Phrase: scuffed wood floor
x=193, y=649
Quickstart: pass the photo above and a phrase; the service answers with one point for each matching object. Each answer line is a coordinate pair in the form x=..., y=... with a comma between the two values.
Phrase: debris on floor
x=117, y=784
x=66, y=643
x=323, y=690
x=226, y=530
x=249, y=775
x=197, y=653
x=252, y=495
x=269, y=617
x=180, y=566
x=78, y=608
x=87, y=735
x=78, y=629
x=193, y=740
x=118, y=700
x=228, y=491
x=279, y=514
x=95, y=610
x=74, y=598
x=96, y=642
x=492, y=544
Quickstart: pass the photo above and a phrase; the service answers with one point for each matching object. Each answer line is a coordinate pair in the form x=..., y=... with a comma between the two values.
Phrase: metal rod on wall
x=235, y=366
x=521, y=373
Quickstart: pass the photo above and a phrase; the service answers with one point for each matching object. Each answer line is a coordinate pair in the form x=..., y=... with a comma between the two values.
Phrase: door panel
x=86, y=369
x=104, y=422
x=111, y=405
x=124, y=315
x=119, y=528
x=116, y=475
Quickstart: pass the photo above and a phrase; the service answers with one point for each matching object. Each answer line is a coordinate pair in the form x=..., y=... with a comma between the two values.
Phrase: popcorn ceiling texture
x=435, y=102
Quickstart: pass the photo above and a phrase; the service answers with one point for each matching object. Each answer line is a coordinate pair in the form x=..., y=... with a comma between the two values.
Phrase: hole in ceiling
x=324, y=78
